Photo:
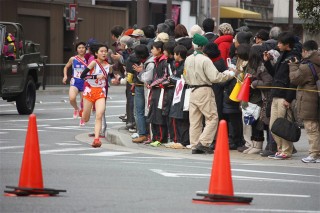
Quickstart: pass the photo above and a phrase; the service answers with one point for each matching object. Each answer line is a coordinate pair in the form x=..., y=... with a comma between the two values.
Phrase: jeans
x=139, y=110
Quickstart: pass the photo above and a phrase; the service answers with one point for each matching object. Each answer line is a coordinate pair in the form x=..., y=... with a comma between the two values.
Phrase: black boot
x=272, y=149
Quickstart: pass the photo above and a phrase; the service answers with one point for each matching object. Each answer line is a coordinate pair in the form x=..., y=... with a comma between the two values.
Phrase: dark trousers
x=159, y=133
x=172, y=129
x=183, y=126
x=130, y=104
x=235, y=129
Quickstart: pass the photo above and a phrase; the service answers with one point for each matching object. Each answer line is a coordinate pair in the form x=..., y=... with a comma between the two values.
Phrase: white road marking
x=20, y=130
x=10, y=147
x=53, y=119
x=68, y=144
x=170, y=174
x=266, y=172
x=272, y=194
x=102, y=154
x=168, y=158
x=2, y=133
x=64, y=150
x=276, y=210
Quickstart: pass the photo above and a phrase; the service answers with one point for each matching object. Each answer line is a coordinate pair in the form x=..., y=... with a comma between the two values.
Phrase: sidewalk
x=120, y=138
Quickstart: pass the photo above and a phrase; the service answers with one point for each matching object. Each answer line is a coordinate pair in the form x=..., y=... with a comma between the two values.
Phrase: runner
x=95, y=89
x=78, y=63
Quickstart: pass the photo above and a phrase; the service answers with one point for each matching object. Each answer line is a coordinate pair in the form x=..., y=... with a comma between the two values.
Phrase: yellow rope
x=269, y=87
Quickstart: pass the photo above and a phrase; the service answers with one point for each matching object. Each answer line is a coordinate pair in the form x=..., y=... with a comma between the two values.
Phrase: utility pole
x=290, y=19
x=169, y=9
x=142, y=13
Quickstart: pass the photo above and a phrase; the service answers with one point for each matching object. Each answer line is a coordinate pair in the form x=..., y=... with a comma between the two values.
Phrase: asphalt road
x=137, y=178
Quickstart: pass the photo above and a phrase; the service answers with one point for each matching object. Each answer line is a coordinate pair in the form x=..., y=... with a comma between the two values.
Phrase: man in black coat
x=281, y=98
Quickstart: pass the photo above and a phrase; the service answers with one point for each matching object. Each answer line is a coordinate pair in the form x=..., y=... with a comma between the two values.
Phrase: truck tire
x=26, y=100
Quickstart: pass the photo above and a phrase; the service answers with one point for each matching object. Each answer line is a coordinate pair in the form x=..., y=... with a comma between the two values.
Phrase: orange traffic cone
x=220, y=186
x=244, y=92
x=31, y=182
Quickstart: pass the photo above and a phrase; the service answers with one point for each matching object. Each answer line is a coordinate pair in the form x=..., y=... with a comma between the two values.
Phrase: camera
x=292, y=59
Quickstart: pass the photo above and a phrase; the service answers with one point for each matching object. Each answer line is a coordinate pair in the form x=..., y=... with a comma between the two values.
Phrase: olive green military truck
x=21, y=67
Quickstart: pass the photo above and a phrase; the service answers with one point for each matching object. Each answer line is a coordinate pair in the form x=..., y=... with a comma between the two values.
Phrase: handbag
x=288, y=130
x=251, y=113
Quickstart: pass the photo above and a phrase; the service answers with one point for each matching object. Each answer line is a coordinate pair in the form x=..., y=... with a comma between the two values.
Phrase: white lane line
x=272, y=194
x=102, y=154
x=274, y=179
x=234, y=177
x=20, y=130
x=278, y=173
x=10, y=147
x=53, y=119
x=2, y=133
x=276, y=210
x=68, y=144
x=168, y=158
x=64, y=150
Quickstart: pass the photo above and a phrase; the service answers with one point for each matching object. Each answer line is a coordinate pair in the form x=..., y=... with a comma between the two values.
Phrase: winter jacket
x=218, y=88
x=280, y=74
x=224, y=43
x=301, y=76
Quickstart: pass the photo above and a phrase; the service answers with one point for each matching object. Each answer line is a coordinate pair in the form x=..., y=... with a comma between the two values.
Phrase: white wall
x=281, y=9
x=185, y=18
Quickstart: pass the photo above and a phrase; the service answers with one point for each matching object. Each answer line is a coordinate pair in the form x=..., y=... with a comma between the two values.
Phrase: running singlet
x=78, y=65
x=97, y=71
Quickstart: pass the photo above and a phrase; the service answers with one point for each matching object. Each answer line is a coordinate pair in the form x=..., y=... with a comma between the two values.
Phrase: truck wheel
x=26, y=100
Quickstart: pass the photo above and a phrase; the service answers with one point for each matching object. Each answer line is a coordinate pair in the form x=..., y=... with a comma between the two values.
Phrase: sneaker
x=274, y=155
x=242, y=148
x=169, y=144
x=140, y=139
x=204, y=149
x=82, y=123
x=267, y=153
x=134, y=135
x=189, y=146
x=155, y=144
x=75, y=114
x=148, y=141
x=96, y=143
x=132, y=130
x=310, y=159
x=282, y=156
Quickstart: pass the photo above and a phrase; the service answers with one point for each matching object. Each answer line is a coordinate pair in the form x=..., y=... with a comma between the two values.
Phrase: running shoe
x=309, y=159
x=75, y=114
x=82, y=123
x=96, y=143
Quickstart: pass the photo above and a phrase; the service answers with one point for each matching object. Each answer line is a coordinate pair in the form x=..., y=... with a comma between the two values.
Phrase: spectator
x=180, y=117
x=208, y=27
x=305, y=75
x=200, y=73
x=180, y=32
x=225, y=40
x=195, y=29
x=282, y=98
x=261, y=36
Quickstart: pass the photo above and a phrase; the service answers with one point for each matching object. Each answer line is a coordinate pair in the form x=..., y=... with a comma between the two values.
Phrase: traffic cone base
x=221, y=186
x=221, y=199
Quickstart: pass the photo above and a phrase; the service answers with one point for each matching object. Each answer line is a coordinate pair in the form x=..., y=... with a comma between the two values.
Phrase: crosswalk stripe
x=10, y=147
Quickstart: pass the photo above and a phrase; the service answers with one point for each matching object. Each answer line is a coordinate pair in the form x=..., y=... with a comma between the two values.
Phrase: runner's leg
x=100, y=106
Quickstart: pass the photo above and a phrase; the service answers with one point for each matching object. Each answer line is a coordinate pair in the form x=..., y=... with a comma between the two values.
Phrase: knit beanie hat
x=243, y=37
x=195, y=29
x=199, y=40
x=225, y=29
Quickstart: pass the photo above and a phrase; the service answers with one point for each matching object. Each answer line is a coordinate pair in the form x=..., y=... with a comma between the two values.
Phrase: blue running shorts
x=77, y=82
